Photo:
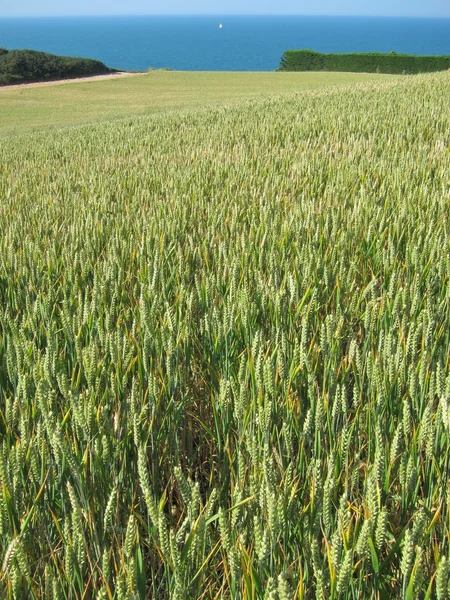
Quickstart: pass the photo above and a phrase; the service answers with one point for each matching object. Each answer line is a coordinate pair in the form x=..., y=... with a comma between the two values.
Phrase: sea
x=220, y=43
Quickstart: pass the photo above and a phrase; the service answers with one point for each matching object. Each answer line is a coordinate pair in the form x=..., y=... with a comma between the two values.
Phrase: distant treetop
x=370, y=62
x=26, y=66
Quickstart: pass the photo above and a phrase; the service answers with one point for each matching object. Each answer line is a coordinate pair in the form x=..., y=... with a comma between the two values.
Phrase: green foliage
x=372, y=62
x=224, y=351
x=302, y=60
x=24, y=66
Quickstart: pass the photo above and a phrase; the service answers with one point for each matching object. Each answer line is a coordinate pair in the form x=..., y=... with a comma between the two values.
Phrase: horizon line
x=82, y=15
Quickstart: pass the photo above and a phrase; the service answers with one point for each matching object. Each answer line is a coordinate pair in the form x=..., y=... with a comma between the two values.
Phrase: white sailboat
x=220, y=26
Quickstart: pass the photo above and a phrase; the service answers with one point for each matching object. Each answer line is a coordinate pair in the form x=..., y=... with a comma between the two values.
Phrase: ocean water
x=243, y=43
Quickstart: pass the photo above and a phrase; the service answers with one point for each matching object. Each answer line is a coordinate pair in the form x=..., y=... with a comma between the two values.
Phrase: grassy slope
x=29, y=109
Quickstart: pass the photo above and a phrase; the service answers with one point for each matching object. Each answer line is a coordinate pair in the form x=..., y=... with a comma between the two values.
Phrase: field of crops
x=36, y=108
x=224, y=352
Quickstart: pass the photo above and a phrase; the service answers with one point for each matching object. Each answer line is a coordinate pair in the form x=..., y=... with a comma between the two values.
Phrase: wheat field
x=52, y=105
x=224, y=351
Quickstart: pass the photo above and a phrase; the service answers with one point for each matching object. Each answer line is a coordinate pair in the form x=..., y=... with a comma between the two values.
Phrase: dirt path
x=77, y=79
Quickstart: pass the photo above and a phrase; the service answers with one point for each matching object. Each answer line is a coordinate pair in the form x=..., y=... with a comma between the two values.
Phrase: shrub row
x=24, y=66
x=373, y=62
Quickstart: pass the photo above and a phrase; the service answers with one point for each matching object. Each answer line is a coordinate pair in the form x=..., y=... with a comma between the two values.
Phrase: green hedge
x=373, y=62
x=24, y=66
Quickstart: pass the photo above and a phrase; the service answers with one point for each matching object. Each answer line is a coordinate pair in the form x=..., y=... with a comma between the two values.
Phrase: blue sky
x=430, y=8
